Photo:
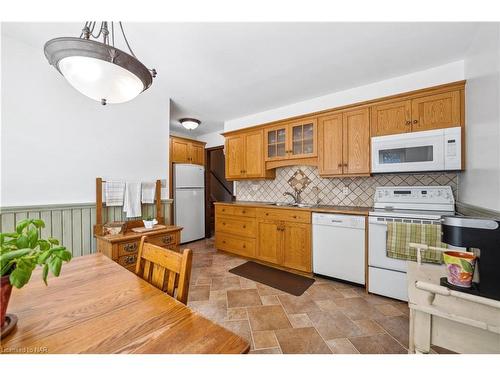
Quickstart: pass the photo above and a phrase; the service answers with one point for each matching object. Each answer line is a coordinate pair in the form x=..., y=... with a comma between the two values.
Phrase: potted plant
x=150, y=222
x=20, y=253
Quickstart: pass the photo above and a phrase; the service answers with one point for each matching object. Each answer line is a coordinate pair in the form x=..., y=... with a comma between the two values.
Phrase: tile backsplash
x=351, y=191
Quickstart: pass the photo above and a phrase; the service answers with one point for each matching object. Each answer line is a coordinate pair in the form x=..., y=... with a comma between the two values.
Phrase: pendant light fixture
x=98, y=69
x=190, y=123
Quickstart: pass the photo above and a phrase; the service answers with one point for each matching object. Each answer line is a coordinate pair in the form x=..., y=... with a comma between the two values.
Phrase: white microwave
x=432, y=150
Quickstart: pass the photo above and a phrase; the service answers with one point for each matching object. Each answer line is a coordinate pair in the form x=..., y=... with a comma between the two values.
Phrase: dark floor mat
x=273, y=277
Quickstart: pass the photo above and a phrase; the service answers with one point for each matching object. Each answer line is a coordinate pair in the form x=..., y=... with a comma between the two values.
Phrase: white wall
x=212, y=139
x=55, y=141
x=480, y=183
x=414, y=81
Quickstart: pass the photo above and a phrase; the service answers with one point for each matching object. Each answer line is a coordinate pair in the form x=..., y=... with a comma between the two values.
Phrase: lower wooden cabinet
x=269, y=241
x=296, y=246
x=273, y=235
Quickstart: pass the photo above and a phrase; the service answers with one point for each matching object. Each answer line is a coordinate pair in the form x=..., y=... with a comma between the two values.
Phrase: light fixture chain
x=126, y=41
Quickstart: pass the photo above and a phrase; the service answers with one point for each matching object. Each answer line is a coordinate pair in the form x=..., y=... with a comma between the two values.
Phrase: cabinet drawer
x=127, y=260
x=128, y=248
x=165, y=240
x=296, y=216
x=236, y=245
x=235, y=210
x=238, y=226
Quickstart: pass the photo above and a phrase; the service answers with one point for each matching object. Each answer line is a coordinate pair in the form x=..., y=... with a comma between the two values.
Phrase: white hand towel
x=113, y=193
x=148, y=192
x=132, y=204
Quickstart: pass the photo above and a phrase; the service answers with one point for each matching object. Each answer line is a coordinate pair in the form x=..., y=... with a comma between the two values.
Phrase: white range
x=407, y=204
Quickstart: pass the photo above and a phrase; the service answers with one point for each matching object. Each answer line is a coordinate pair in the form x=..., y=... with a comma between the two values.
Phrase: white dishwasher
x=339, y=246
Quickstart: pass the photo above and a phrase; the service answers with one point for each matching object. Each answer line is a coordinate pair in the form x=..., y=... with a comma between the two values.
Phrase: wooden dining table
x=97, y=306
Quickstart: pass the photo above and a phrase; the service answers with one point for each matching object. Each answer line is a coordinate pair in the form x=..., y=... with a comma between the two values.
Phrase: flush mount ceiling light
x=99, y=70
x=190, y=123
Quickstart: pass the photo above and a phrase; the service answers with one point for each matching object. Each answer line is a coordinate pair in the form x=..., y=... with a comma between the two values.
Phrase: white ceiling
x=220, y=71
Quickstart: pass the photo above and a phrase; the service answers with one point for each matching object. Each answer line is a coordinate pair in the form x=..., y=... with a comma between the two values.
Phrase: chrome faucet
x=296, y=196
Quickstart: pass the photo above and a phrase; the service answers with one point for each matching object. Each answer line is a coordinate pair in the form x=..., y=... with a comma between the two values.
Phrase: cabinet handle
x=415, y=121
x=130, y=247
x=244, y=226
x=244, y=246
x=267, y=213
x=345, y=165
x=223, y=223
x=408, y=122
x=130, y=259
x=167, y=240
x=243, y=212
x=223, y=210
x=223, y=241
x=340, y=165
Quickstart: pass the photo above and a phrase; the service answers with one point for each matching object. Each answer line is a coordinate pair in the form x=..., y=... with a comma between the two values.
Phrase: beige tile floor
x=330, y=317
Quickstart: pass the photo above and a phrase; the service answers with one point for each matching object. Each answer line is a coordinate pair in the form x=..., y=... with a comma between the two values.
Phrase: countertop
x=348, y=210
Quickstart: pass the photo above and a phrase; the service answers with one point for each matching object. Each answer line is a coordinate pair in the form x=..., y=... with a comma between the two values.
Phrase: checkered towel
x=113, y=193
x=399, y=235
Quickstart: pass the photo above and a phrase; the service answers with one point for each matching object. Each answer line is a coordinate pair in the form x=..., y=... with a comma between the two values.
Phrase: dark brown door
x=218, y=189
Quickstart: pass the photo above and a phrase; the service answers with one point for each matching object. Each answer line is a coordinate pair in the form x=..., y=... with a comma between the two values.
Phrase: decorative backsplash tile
x=299, y=181
x=350, y=191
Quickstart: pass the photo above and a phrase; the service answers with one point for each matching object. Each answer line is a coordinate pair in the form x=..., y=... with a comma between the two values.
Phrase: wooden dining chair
x=165, y=269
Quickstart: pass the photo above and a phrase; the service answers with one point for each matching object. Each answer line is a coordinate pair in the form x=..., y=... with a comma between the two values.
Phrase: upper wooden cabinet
x=330, y=141
x=436, y=111
x=356, y=144
x=183, y=150
x=391, y=118
x=338, y=141
x=344, y=143
x=244, y=154
x=292, y=140
x=441, y=110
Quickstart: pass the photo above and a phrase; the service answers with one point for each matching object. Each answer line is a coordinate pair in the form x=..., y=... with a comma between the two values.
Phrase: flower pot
x=5, y=289
x=460, y=267
x=150, y=223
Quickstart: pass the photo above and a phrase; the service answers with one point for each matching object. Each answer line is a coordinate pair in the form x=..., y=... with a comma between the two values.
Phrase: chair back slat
x=171, y=283
x=165, y=269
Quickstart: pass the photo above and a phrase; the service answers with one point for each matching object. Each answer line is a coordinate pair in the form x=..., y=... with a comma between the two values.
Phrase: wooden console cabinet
x=123, y=248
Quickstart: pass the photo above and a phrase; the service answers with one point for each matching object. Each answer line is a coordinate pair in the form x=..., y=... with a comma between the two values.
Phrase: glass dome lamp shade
x=97, y=70
x=190, y=123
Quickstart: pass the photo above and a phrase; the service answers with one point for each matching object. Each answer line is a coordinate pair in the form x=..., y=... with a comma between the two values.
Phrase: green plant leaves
x=55, y=265
x=22, y=251
x=22, y=273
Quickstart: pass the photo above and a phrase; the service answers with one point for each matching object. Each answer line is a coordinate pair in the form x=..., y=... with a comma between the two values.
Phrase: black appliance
x=482, y=234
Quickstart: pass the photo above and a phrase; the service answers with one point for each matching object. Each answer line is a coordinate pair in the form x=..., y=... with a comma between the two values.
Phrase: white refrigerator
x=189, y=200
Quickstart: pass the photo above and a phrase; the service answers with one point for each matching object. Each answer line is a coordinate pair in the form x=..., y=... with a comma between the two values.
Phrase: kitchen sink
x=285, y=204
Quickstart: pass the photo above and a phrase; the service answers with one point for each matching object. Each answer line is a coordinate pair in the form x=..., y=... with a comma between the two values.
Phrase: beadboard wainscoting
x=72, y=223
x=347, y=191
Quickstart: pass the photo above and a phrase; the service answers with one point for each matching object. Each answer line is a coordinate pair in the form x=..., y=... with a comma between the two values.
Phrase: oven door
x=409, y=152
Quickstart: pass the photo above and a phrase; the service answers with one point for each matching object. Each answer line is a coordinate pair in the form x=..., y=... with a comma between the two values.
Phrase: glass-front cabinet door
x=303, y=139
x=276, y=143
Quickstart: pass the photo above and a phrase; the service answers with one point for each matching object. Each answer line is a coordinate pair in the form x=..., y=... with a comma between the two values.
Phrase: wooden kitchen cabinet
x=293, y=140
x=183, y=150
x=436, y=111
x=269, y=242
x=391, y=118
x=245, y=156
x=296, y=247
x=330, y=143
x=280, y=237
x=344, y=144
x=428, y=112
x=356, y=142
